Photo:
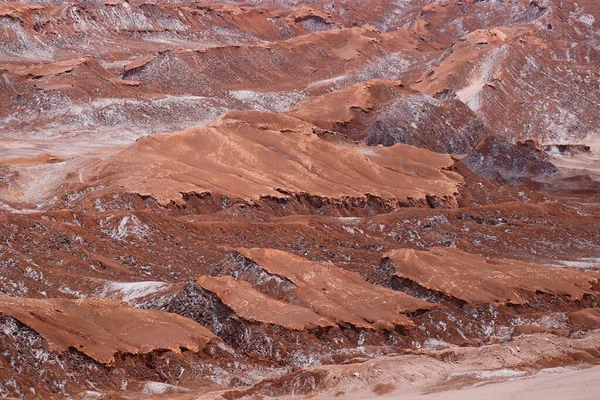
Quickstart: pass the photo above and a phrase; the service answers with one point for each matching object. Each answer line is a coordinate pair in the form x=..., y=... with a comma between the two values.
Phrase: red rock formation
x=261, y=213
x=53, y=346
x=496, y=158
x=477, y=280
x=230, y=158
x=328, y=290
x=102, y=329
x=384, y=112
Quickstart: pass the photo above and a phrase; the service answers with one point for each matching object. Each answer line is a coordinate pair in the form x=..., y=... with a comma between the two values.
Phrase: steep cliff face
x=281, y=198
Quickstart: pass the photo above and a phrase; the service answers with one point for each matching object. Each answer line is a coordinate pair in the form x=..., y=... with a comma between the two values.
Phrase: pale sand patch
x=554, y=384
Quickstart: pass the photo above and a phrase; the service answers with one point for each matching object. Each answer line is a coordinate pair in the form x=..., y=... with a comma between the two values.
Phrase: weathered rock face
x=231, y=157
x=275, y=304
x=489, y=69
x=476, y=280
x=384, y=112
x=257, y=303
x=256, y=198
x=444, y=369
x=419, y=120
x=328, y=290
x=69, y=324
x=496, y=158
x=491, y=298
x=55, y=346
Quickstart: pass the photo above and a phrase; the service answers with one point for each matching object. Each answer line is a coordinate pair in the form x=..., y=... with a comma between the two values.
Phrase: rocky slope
x=283, y=198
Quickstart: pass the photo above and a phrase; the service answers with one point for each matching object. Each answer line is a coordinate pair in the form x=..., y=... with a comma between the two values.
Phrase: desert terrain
x=314, y=199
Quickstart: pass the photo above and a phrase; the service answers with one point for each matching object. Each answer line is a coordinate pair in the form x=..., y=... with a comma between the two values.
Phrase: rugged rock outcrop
x=384, y=112
x=299, y=197
x=254, y=155
x=66, y=324
x=476, y=280
x=489, y=69
x=274, y=303
x=53, y=346
x=496, y=158
x=328, y=290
